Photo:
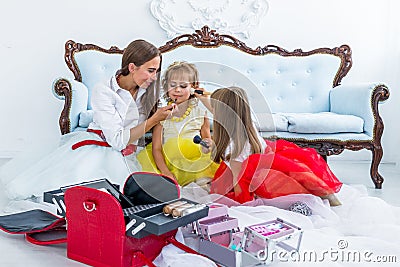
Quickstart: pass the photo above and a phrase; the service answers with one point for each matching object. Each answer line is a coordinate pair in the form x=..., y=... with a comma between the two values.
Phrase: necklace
x=185, y=114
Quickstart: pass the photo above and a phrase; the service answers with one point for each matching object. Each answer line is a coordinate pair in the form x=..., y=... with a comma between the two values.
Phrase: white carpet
x=364, y=231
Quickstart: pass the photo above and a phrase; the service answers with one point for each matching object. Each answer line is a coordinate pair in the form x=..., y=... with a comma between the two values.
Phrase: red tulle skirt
x=283, y=169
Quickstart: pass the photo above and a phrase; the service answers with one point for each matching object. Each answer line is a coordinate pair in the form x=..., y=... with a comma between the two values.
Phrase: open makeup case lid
x=39, y=227
x=142, y=201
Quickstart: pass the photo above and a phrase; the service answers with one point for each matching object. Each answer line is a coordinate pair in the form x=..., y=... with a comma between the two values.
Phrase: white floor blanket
x=363, y=231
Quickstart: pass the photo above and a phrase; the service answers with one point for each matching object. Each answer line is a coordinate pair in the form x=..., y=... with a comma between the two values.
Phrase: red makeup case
x=107, y=227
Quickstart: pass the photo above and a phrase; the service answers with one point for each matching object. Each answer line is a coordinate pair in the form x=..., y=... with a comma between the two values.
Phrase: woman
x=121, y=108
x=254, y=167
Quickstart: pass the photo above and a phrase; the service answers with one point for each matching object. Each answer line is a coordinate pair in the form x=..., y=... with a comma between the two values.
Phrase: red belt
x=129, y=149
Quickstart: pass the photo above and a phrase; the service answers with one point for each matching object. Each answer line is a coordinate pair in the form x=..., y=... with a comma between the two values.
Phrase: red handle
x=139, y=254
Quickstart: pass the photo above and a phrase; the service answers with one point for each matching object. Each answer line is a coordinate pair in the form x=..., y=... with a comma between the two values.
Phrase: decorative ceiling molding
x=226, y=16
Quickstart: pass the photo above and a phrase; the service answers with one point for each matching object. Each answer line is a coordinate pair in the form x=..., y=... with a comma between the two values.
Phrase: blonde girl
x=172, y=151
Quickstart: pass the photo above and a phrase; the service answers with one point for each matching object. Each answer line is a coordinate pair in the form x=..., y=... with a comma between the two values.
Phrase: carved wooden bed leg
x=377, y=153
x=379, y=94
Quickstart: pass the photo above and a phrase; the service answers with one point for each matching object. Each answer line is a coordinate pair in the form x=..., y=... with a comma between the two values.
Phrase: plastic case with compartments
x=253, y=246
x=218, y=226
x=215, y=233
x=153, y=220
x=263, y=240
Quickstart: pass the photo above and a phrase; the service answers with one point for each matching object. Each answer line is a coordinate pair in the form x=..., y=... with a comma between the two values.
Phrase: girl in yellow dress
x=172, y=151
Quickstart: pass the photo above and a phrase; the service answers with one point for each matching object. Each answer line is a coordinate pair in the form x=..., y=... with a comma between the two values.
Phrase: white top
x=246, y=152
x=115, y=112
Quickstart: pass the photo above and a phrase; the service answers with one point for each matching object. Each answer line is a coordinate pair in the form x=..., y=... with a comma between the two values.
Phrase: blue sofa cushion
x=95, y=66
x=324, y=122
x=85, y=118
x=270, y=122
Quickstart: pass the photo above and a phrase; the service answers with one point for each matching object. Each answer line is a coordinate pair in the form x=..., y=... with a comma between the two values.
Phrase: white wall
x=33, y=33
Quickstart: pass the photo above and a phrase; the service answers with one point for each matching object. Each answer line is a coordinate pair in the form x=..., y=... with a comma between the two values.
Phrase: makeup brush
x=200, y=92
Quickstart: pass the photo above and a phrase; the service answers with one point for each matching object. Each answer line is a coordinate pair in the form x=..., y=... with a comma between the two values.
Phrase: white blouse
x=115, y=112
x=246, y=152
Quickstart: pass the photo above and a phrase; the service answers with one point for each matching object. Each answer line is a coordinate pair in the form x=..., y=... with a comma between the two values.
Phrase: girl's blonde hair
x=232, y=122
x=180, y=69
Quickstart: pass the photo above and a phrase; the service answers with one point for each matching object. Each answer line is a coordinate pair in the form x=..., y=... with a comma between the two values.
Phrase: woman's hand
x=160, y=115
x=204, y=97
x=164, y=112
x=200, y=92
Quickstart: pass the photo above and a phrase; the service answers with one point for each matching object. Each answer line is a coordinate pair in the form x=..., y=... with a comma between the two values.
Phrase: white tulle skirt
x=48, y=166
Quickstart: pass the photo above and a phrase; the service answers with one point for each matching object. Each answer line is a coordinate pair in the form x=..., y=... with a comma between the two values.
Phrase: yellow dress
x=183, y=157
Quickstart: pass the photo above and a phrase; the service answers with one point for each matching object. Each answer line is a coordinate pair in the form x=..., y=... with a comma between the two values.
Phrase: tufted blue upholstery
x=279, y=84
x=274, y=84
x=289, y=91
x=286, y=84
x=342, y=102
x=95, y=66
